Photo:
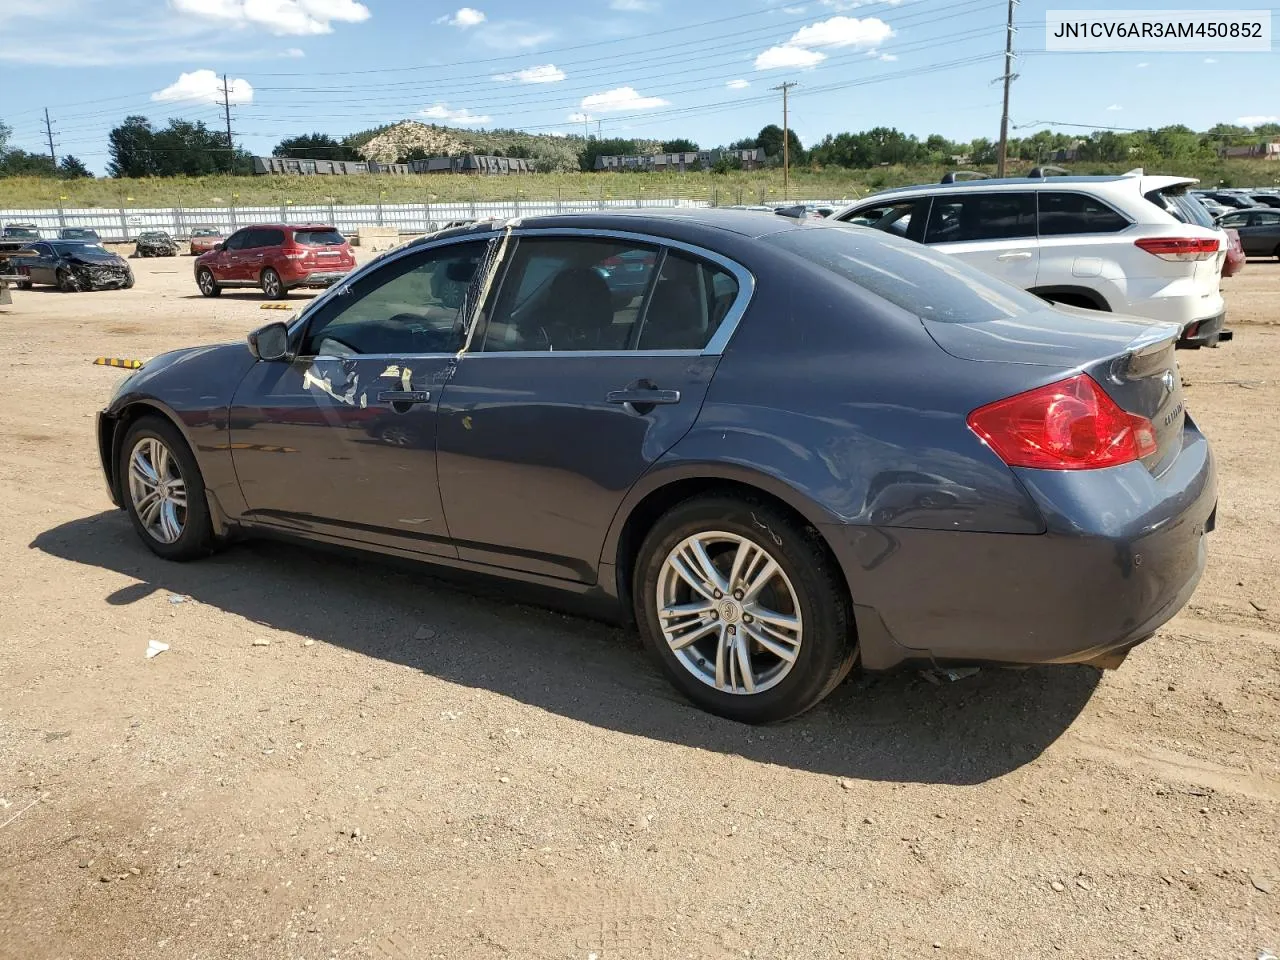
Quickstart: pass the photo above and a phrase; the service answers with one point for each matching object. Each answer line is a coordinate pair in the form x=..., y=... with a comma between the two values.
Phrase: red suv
x=276, y=257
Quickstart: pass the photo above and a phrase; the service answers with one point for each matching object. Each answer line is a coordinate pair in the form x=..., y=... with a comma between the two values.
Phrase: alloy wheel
x=271, y=284
x=157, y=490
x=206, y=282
x=729, y=613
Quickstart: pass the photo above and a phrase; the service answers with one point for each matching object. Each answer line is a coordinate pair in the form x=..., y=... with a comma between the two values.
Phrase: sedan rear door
x=575, y=383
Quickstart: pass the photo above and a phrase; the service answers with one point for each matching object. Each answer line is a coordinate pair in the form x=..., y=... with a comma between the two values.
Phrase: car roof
x=677, y=223
x=287, y=226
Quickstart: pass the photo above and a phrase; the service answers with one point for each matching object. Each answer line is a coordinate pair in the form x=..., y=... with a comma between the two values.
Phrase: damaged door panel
x=340, y=441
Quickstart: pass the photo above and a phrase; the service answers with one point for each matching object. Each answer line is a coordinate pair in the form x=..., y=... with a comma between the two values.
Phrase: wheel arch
x=1073, y=295
x=657, y=493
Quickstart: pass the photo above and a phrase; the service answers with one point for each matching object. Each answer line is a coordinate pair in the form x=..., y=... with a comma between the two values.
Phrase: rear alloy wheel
x=163, y=490
x=743, y=609
x=67, y=281
x=272, y=285
x=208, y=286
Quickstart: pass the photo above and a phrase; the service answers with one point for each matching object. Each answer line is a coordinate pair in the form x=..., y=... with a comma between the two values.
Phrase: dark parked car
x=73, y=266
x=155, y=243
x=83, y=234
x=20, y=231
x=1259, y=229
x=277, y=258
x=1238, y=200
x=1265, y=198
x=806, y=445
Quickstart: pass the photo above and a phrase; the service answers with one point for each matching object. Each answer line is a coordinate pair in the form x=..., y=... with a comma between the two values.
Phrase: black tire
x=67, y=282
x=272, y=286
x=24, y=284
x=207, y=284
x=196, y=539
x=128, y=284
x=828, y=645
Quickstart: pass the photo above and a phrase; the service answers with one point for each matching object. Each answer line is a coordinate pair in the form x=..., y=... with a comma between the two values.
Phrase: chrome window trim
x=719, y=340
x=715, y=346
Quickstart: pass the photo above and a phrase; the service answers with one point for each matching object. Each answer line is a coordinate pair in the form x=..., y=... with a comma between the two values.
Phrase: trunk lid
x=1132, y=360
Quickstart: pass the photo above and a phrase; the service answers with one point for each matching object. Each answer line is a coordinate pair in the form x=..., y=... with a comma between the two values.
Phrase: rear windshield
x=1181, y=205
x=318, y=238
x=932, y=286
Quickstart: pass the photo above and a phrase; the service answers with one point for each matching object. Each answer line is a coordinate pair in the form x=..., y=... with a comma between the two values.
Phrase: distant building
x=1256, y=151
x=470, y=163
x=750, y=159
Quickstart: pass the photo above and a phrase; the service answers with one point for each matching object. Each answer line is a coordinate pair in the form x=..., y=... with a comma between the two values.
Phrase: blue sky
x=652, y=68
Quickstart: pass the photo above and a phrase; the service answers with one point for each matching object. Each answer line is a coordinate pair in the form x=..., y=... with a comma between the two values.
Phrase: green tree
x=20, y=163
x=131, y=148
x=608, y=147
x=770, y=138
x=6, y=132
x=314, y=146
x=679, y=145
x=72, y=168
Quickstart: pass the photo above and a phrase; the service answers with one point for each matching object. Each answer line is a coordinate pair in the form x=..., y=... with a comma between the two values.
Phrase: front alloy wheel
x=729, y=613
x=157, y=490
x=207, y=284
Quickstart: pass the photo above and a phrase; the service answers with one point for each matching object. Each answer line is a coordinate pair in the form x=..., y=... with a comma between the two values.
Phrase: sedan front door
x=577, y=383
x=339, y=443
x=42, y=265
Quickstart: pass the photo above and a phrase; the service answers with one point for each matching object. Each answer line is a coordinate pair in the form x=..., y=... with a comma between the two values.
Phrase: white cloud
x=204, y=86
x=776, y=58
x=738, y=84
x=886, y=57
x=1256, y=121
x=842, y=32
x=513, y=35
x=1210, y=60
x=1143, y=66
x=464, y=117
x=841, y=5
x=464, y=18
x=793, y=11
x=633, y=6
x=620, y=99
x=293, y=53
x=545, y=73
x=1114, y=107
x=281, y=17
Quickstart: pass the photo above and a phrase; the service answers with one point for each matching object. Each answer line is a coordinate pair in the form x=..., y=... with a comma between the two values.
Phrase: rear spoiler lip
x=1154, y=339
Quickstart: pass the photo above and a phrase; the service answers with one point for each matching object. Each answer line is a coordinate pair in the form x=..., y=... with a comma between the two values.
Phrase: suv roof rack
x=957, y=176
x=1041, y=173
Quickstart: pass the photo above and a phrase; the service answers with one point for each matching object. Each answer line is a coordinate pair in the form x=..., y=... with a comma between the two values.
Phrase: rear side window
x=930, y=285
x=981, y=216
x=688, y=303
x=1064, y=214
x=318, y=238
x=269, y=237
x=1265, y=219
x=1181, y=205
x=905, y=218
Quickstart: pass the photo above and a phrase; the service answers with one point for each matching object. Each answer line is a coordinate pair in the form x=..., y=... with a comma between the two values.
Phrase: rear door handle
x=1019, y=255
x=404, y=396
x=643, y=398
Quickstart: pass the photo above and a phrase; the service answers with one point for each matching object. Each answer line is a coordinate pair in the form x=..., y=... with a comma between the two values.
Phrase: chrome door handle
x=1019, y=255
x=404, y=396
x=643, y=397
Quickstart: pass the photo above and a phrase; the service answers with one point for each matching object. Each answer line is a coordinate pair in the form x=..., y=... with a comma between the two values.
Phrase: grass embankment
x=755, y=187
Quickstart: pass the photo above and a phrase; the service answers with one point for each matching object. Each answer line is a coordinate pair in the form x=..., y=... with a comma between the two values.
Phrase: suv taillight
x=1179, y=248
x=1068, y=425
x=296, y=253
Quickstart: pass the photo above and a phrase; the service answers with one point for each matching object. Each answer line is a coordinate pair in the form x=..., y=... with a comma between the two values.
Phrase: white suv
x=1127, y=244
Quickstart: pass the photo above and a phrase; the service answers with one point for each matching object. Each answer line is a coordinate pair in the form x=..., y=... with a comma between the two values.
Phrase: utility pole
x=226, y=105
x=48, y=128
x=786, y=141
x=1008, y=78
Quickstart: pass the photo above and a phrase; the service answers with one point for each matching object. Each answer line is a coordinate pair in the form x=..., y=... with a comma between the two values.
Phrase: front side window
x=570, y=294
x=895, y=218
x=412, y=305
x=238, y=240
x=1235, y=220
x=1064, y=214
x=970, y=217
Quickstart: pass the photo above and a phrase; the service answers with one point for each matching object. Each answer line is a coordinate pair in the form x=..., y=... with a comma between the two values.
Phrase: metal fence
x=126, y=223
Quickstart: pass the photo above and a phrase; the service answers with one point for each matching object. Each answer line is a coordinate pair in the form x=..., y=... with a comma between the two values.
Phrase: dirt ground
x=522, y=784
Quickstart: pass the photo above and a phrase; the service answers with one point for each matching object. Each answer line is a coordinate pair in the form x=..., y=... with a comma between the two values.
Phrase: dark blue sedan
x=799, y=446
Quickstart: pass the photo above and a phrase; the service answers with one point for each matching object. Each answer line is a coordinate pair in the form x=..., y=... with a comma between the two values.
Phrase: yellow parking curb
x=118, y=362
x=275, y=306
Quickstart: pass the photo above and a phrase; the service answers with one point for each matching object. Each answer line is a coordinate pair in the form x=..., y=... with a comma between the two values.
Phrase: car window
x=414, y=304
x=238, y=240
x=929, y=285
x=981, y=216
x=1266, y=219
x=1235, y=220
x=268, y=237
x=570, y=294
x=689, y=301
x=43, y=249
x=895, y=218
x=1182, y=205
x=318, y=238
x=1063, y=214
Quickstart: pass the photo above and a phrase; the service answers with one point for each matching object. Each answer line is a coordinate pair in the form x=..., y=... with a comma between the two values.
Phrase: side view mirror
x=220, y=246
x=270, y=342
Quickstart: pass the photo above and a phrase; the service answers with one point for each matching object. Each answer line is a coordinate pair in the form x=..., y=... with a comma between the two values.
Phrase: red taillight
x=1179, y=248
x=1068, y=425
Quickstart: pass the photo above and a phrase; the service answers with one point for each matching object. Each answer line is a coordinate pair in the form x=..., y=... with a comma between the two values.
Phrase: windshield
x=204, y=232
x=22, y=232
x=77, y=234
x=318, y=238
x=930, y=285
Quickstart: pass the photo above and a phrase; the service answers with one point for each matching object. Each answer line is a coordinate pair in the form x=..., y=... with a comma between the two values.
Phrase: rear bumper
x=325, y=278
x=1122, y=553
x=1205, y=333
